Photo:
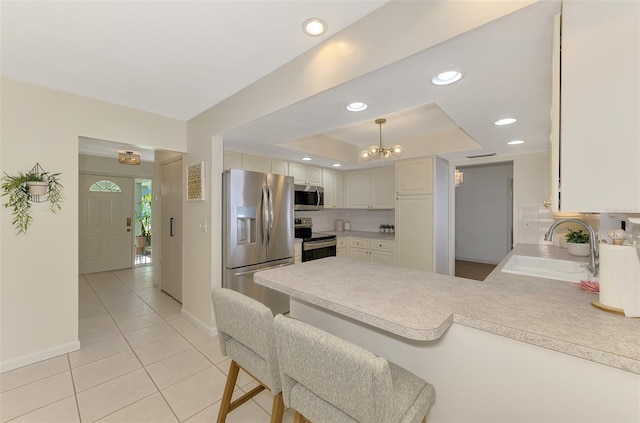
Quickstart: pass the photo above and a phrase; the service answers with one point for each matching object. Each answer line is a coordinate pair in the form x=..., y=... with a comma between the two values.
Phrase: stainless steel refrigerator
x=257, y=231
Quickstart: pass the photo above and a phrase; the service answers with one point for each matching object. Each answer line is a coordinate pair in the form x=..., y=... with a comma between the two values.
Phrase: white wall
x=39, y=298
x=111, y=166
x=482, y=213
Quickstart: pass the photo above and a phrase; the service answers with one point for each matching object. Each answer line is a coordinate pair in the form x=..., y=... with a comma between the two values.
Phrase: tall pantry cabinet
x=422, y=218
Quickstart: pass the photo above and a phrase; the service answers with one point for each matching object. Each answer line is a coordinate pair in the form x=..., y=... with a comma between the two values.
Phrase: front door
x=106, y=223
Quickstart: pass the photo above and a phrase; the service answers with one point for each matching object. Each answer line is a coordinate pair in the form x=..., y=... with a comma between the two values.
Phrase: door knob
x=128, y=229
x=546, y=203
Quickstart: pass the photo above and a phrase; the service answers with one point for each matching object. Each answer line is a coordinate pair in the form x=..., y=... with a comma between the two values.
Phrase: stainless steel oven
x=314, y=245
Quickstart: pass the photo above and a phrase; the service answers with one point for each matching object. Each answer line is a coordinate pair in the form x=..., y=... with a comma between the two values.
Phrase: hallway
x=140, y=361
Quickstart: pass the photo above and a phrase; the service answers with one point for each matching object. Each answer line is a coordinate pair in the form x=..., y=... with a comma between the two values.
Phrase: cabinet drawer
x=382, y=245
x=359, y=243
x=341, y=242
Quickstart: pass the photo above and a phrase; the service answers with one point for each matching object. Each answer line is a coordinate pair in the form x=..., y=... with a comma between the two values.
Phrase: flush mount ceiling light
x=129, y=158
x=336, y=165
x=306, y=159
x=516, y=142
x=505, y=121
x=377, y=150
x=314, y=27
x=357, y=106
x=446, y=78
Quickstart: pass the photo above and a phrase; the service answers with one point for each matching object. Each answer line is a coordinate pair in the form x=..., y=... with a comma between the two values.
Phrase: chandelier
x=386, y=153
x=129, y=158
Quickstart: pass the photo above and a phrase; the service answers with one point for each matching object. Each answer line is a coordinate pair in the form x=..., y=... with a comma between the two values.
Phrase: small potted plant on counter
x=578, y=243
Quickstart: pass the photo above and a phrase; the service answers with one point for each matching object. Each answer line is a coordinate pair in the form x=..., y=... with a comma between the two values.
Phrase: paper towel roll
x=620, y=278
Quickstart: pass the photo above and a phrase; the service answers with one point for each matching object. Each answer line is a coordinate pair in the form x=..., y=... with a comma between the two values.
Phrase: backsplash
x=361, y=220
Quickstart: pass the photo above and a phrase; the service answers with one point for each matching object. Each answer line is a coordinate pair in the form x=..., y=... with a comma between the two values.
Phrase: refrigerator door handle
x=318, y=198
x=270, y=212
x=265, y=215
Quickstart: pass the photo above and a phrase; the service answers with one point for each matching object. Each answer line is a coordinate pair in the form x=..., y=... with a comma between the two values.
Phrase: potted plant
x=578, y=243
x=26, y=188
x=144, y=217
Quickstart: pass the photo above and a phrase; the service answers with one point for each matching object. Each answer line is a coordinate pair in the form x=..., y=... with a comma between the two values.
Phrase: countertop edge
x=602, y=357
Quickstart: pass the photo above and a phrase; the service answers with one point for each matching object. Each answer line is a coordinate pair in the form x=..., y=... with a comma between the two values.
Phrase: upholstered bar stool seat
x=245, y=329
x=327, y=379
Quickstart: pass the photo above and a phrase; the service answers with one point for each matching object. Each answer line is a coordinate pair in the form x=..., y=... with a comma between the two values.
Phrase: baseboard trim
x=212, y=331
x=5, y=366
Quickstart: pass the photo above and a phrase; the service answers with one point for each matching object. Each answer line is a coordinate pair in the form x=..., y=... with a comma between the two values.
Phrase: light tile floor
x=140, y=361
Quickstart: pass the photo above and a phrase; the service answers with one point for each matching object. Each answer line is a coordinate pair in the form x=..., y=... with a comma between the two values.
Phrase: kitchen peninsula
x=511, y=348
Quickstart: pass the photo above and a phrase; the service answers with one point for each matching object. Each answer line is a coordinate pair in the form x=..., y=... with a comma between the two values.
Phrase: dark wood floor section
x=472, y=270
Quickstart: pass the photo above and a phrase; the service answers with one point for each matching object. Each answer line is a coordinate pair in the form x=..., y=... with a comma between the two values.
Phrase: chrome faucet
x=595, y=257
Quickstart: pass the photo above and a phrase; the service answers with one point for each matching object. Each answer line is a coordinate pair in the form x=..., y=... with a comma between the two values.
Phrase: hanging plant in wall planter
x=23, y=189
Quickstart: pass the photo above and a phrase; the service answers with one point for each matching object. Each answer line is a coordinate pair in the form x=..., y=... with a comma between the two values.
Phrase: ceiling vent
x=481, y=155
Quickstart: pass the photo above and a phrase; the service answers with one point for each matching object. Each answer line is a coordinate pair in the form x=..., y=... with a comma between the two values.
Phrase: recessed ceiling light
x=307, y=159
x=445, y=78
x=505, y=121
x=357, y=106
x=336, y=165
x=515, y=142
x=314, y=26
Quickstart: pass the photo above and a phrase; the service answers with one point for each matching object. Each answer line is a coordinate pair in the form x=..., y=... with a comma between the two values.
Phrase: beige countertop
x=363, y=234
x=421, y=306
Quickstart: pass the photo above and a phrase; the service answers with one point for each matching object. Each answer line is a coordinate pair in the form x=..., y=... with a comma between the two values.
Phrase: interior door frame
x=107, y=175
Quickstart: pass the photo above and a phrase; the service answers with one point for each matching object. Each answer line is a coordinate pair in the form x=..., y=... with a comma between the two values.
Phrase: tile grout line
x=75, y=393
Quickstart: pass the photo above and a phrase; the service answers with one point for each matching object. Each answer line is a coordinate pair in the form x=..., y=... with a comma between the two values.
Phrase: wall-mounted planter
x=23, y=189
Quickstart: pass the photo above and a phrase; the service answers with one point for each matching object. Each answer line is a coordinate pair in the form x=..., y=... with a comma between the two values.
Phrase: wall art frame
x=196, y=182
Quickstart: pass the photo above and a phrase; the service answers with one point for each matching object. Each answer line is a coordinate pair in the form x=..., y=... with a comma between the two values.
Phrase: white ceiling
x=147, y=55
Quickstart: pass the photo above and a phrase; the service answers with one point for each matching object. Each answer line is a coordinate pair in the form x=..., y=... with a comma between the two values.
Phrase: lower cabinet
x=341, y=247
x=297, y=252
x=372, y=251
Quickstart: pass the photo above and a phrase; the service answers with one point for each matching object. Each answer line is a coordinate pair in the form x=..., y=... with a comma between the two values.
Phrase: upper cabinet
x=305, y=175
x=280, y=167
x=600, y=107
x=231, y=159
x=332, y=183
x=370, y=188
x=414, y=176
x=256, y=163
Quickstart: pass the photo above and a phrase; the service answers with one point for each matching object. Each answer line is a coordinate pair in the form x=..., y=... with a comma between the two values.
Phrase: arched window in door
x=105, y=186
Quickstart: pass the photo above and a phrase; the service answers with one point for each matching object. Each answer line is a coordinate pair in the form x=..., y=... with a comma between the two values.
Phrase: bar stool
x=327, y=379
x=245, y=329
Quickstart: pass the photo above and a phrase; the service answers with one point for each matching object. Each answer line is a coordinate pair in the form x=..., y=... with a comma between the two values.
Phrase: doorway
x=483, y=218
x=106, y=223
x=144, y=218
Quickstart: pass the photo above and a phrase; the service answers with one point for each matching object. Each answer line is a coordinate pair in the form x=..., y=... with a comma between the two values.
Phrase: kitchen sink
x=562, y=270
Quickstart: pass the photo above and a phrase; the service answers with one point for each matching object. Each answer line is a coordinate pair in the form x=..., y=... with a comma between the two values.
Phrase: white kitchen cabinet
x=280, y=167
x=332, y=183
x=414, y=176
x=414, y=232
x=372, y=251
x=600, y=105
x=370, y=188
x=305, y=175
x=341, y=246
x=422, y=214
x=231, y=160
x=297, y=252
x=256, y=163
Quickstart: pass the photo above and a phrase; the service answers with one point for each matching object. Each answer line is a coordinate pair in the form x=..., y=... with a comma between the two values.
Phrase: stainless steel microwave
x=308, y=197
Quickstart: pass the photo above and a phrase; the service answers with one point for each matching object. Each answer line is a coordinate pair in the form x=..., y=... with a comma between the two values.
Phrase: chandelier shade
x=379, y=151
x=129, y=158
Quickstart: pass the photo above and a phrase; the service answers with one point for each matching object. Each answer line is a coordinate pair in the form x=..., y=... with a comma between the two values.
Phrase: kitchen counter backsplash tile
x=361, y=220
